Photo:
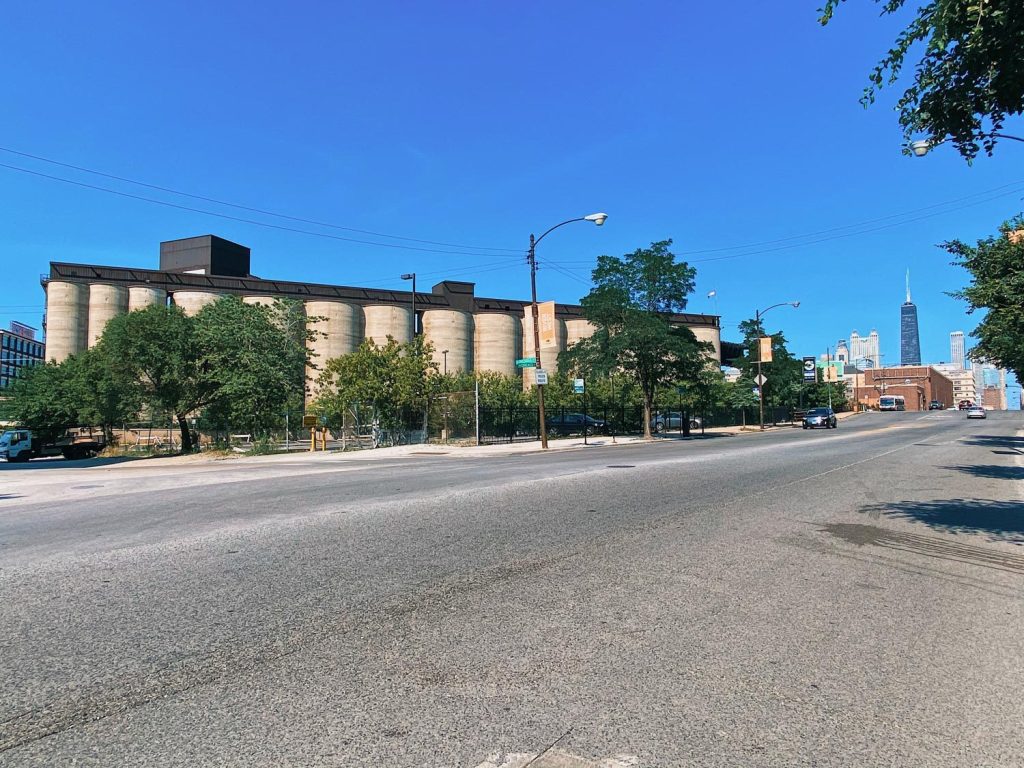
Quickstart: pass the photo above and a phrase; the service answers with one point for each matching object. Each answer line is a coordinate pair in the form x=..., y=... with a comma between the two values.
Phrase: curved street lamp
x=758, y=314
x=531, y=259
x=922, y=147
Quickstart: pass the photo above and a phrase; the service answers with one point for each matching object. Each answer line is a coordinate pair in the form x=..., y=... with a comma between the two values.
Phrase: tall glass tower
x=910, y=341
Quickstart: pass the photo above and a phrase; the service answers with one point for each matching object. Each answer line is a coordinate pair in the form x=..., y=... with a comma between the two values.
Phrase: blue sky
x=717, y=125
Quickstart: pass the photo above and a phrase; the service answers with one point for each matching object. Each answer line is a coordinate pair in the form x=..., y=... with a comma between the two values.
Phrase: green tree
x=43, y=399
x=254, y=357
x=631, y=306
x=970, y=77
x=390, y=379
x=783, y=376
x=158, y=348
x=996, y=265
x=103, y=394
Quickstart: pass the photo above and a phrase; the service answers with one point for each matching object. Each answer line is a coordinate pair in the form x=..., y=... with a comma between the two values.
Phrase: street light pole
x=531, y=259
x=412, y=276
x=758, y=314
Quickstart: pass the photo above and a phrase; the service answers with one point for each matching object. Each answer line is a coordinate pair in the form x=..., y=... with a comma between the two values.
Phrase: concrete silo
x=339, y=330
x=451, y=330
x=193, y=301
x=67, y=319
x=383, y=320
x=142, y=296
x=711, y=334
x=497, y=342
x=105, y=303
x=577, y=329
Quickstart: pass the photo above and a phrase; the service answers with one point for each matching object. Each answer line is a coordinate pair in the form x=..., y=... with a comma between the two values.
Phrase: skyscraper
x=956, y=349
x=910, y=341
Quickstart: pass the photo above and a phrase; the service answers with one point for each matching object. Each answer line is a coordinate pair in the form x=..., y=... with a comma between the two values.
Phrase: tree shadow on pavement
x=993, y=471
x=997, y=520
x=1015, y=444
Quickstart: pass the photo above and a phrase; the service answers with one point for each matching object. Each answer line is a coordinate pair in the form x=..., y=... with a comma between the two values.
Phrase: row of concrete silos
x=488, y=341
x=78, y=312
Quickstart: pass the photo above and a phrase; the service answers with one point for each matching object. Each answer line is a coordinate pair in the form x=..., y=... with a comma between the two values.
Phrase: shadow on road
x=999, y=520
x=58, y=463
x=4, y=496
x=993, y=471
x=1015, y=444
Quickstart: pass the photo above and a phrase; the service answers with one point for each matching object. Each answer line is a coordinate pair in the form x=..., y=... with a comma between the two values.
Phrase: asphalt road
x=848, y=597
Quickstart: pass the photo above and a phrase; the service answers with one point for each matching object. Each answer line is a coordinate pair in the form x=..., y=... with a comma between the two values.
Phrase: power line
x=243, y=220
x=1016, y=189
x=863, y=223
x=249, y=208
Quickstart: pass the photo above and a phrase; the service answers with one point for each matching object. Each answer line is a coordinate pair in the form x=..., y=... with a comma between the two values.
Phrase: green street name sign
x=526, y=362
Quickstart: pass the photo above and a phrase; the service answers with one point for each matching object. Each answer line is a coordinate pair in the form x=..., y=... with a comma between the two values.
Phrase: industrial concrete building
x=475, y=333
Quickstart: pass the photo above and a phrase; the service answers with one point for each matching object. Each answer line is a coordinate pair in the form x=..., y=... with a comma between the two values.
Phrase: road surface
x=847, y=597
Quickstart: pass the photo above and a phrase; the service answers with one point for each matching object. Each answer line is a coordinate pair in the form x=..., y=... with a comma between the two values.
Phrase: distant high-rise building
x=864, y=350
x=956, y=349
x=910, y=340
x=842, y=351
x=872, y=350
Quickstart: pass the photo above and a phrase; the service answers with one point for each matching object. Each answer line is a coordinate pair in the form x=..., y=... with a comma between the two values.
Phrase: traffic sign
x=540, y=376
x=526, y=362
x=760, y=379
x=577, y=386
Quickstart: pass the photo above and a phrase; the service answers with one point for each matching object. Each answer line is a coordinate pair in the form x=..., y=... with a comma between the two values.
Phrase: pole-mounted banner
x=766, y=349
x=810, y=369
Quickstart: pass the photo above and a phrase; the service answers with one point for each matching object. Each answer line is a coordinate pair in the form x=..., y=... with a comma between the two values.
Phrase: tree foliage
x=970, y=77
x=390, y=379
x=783, y=376
x=630, y=307
x=82, y=391
x=996, y=265
x=238, y=362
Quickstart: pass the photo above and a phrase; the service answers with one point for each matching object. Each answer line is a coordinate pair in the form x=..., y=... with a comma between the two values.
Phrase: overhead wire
x=250, y=208
x=1017, y=188
x=245, y=220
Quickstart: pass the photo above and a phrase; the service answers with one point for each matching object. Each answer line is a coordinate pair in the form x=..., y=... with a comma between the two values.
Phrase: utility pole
x=532, y=259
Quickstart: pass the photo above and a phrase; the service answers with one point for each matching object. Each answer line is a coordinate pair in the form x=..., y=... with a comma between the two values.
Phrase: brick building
x=918, y=384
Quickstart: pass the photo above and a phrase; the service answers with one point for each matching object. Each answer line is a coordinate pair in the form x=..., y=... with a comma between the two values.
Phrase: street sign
x=526, y=362
x=680, y=389
x=540, y=376
x=810, y=369
x=766, y=349
x=760, y=379
x=309, y=420
x=577, y=386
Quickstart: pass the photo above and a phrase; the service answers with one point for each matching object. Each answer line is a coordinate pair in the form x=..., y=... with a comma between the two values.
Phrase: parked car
x=975, y=412
x=671, y=421
x=820, y=417
x=575, y=424
x=936, y=405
